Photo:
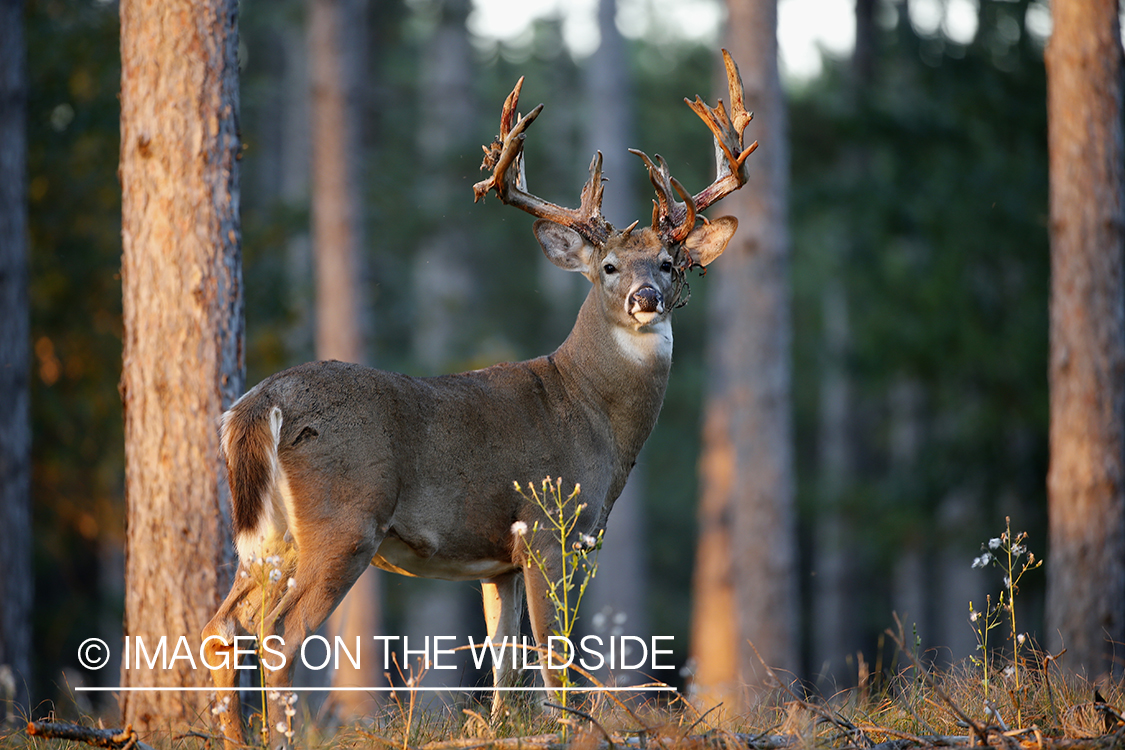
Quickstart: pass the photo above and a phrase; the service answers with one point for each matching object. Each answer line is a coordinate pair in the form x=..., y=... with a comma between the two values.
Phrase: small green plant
x=578, y=553
x=1007, y=553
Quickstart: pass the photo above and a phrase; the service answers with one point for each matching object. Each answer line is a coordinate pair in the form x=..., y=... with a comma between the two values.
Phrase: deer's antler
x=671, y=218
x=507, y=150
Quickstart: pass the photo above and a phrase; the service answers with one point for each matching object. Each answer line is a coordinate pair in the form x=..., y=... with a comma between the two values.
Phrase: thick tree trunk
x=183, y=347
x=335, y=60
x=15, y=426
x=747, y=462
x=1085, y=482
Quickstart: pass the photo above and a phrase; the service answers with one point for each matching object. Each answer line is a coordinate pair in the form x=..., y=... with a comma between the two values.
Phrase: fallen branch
x=536, y=741
x=118, y=739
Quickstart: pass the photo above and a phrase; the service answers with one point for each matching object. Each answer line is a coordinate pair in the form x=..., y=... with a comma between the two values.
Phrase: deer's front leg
x=503, y=611
x=541, y=611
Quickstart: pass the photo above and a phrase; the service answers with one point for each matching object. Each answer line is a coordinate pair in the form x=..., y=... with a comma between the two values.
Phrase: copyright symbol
x=93, y=653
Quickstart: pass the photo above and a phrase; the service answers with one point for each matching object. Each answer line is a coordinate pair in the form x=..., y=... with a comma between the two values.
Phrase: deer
x=334, y=466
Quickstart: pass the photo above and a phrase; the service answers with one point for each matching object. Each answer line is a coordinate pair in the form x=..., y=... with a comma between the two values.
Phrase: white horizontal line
x=138, y=689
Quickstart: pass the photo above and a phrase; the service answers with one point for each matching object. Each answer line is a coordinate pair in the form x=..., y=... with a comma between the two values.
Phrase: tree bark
x=183, y=343
x=15, y=421
x=335, y=66
x=1086, y=494
x=747, y=460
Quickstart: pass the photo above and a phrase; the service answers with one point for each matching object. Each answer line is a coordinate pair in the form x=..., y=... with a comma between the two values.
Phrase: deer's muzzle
x=647, y=299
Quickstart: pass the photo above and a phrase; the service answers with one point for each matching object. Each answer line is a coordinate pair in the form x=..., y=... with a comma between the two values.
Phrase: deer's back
x=432, y=461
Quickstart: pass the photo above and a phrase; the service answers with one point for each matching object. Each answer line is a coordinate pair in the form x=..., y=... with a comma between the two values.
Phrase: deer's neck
x=618, y=372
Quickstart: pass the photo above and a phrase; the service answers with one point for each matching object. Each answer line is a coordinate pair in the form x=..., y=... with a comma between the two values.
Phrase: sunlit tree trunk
x=335, y=60
x=15, y=426
x=750, y=597
x=182, y=288
x=1085, y=482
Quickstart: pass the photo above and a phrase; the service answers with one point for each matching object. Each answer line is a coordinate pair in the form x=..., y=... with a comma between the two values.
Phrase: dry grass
x=917, y=705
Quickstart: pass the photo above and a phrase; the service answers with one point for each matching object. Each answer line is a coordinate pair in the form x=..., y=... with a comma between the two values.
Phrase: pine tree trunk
x=183, y=347
x=1085, y=482
x=15, y=426
x=747, y=462
x=335, y=61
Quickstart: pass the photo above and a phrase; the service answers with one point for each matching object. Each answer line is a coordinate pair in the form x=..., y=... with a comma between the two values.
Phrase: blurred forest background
x=919, y=256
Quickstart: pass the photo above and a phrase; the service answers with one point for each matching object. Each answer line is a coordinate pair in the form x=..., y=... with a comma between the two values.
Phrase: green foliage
x=577, y=554
x=922, y=193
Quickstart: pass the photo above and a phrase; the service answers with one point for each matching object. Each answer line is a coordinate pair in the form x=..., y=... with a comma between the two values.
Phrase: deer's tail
x=249, y=437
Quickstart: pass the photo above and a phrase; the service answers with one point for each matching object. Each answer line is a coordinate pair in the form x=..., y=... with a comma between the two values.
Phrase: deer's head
x=638, y=273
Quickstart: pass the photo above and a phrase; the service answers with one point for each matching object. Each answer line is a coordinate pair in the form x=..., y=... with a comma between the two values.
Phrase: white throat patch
x=642, y=346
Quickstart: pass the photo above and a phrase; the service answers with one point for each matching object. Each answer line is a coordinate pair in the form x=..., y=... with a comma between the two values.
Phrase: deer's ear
x=563, y=246
x=708, y=241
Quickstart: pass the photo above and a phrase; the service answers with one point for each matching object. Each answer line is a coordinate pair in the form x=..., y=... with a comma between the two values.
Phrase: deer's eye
x=666, y=266
x=609, y=269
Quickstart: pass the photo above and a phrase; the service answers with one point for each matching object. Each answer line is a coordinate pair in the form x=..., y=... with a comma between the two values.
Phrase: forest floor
x=1039, y=705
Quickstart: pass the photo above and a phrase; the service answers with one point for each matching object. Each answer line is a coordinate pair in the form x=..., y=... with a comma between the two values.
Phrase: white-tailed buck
x=334, y=466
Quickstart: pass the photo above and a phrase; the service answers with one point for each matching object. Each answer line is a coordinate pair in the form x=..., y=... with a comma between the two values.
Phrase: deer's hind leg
x=234, y=620
x=318, y=585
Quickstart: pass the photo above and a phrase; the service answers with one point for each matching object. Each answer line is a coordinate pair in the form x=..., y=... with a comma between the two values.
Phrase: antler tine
x=730, y=156
x=507, y=149
x=675, y=220
x=670, y=217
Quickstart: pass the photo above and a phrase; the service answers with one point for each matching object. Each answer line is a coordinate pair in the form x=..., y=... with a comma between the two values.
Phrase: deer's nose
x=647, y=299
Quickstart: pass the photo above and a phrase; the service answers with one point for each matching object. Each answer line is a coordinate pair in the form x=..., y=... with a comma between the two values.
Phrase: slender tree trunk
x=444, y=280
x=294, y=187
x=619, y=589
x=747, y=461
x=335, y=59
x=15, y=425
x=910, y=590
x=444, y=262
x=183, y=348
x=1085, y=482
x=832, y=626
x=714, y=620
